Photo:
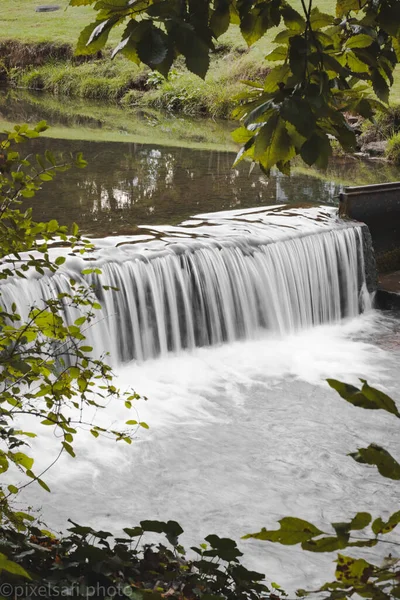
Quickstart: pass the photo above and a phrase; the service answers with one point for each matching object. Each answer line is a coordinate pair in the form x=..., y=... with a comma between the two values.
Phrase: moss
x=393, y=149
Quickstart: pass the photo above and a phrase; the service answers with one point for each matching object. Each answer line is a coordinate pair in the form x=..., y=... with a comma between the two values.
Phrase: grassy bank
x=37, y=49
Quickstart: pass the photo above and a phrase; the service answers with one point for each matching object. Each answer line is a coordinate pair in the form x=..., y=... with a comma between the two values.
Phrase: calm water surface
x=128, y=183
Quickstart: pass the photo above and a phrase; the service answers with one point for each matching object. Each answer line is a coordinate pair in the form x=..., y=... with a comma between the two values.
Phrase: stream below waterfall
x=244, y=428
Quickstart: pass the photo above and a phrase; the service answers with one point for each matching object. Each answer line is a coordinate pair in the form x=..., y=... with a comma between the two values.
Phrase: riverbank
x=37, y=53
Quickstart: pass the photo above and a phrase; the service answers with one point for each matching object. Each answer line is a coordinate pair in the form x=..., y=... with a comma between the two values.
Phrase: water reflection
x=126, y=185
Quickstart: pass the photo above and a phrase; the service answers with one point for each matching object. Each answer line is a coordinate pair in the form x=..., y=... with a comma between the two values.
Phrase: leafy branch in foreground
x=326, y=65
x=47, y=369
x=354, y=576
x=93, y=563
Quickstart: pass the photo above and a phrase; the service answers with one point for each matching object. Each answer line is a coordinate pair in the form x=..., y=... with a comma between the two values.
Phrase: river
x=241, y=433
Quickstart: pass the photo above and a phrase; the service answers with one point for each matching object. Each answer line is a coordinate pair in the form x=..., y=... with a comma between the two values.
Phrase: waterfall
x=197, y=294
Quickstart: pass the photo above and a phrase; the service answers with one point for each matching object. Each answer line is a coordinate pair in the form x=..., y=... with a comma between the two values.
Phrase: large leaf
x=94, y=37
x=292, y=531
x=325, y=544
x=12, y=567
x=193, y=48
x=380, y=85
x=276, y=77
x=220, y=19
x=273, y=143
x=368, y=397
x=224, y=548
x=254, y=24
x=316, y=150
x=320, y=20
x=293, y=20
x=152, y=48
x=380, y=526
x=353, y=571
x=299, y=113
x=361, y=40
x=378, y=456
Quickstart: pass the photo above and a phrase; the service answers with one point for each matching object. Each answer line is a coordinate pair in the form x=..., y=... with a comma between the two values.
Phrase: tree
x=46, y=367
x=326, y=65
x=47, y=371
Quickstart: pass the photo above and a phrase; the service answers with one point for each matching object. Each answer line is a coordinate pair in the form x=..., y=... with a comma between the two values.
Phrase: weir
x=216, y=278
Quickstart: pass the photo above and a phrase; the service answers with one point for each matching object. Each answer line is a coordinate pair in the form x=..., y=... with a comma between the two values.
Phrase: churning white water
x=178, y=292
x=245, y=432
x=240, y=435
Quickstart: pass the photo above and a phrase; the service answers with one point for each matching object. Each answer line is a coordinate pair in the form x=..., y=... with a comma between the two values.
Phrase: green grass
x=19, y=21
x=123, y=81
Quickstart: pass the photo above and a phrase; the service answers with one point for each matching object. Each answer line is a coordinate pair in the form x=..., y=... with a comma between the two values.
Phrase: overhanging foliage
x=326, y=65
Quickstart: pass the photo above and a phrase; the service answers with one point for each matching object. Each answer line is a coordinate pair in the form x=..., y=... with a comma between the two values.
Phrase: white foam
x=241, y=435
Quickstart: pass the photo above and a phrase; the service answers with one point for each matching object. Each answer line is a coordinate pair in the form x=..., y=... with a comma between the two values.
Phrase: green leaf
x=43, y=484
x=133, y=532
x=220, y=19
x=69, y=449
x=355, y=64
x=193, y=48
x=380, y=85
x=368, y=397
x=60, y=260
x=254, y=24
x=273, y=143
x=50, y=157
x=12, y=567
x=316, y=150
x=320, y=20
x=292, y=531
x=154, y=526
x=361, y=40
x=94, y=37
x=360, y=521
x=380, y=526
x=13, y=489
x=325, y=544
x=225, y=548
x=299, y=113
x=41, y=126
x=52, y=226
x=152, y=48
x=352, y=571
x=19, y=458
x=293, y=20
x=375, y=455
x=278, y=53
x=277, y=77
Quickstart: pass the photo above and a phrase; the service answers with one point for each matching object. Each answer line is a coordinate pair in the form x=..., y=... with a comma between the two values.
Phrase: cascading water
x=227, y=277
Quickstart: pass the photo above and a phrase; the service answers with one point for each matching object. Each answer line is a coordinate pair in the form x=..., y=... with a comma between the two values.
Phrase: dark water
x=127, y=184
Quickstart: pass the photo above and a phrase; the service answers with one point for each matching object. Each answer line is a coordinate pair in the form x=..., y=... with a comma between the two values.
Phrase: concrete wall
x=379, y=207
